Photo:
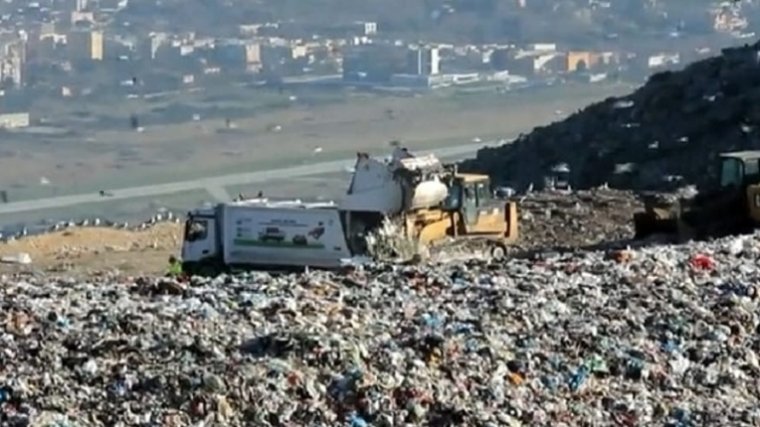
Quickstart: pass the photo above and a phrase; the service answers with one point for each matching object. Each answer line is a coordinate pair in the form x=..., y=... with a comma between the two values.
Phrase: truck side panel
x=270, y=236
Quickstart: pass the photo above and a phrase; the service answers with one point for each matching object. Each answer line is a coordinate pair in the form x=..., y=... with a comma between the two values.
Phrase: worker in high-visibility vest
x=175, y=267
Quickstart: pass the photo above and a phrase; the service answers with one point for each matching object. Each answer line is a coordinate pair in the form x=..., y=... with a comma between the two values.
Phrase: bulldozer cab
x=470, y=199
x=734, y=203
x=467, y=193
x=739, y=168
x=740, y=172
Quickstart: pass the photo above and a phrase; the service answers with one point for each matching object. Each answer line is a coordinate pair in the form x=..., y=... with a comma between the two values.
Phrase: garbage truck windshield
x=195, y=229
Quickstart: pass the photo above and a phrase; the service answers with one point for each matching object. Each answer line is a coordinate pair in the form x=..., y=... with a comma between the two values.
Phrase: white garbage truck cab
x=201, y=246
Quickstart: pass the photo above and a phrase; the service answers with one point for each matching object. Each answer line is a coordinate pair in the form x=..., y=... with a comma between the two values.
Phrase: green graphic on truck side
x=275, y=244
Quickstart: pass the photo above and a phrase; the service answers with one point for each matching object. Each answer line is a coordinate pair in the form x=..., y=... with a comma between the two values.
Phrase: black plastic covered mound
x=673, y=126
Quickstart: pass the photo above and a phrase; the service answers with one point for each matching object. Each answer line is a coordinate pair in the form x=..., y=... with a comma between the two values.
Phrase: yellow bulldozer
x=469, y=212
x=731, y=205
x=429, y=201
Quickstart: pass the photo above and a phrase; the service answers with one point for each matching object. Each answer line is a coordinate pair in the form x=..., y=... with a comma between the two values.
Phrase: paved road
x=212, y=182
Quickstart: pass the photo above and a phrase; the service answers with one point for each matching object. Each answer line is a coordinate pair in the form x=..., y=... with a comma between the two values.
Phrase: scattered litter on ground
x=634, y=337
x=19, y=258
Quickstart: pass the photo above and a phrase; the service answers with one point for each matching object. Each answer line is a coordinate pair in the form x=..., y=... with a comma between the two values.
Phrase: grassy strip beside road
x=485, y=116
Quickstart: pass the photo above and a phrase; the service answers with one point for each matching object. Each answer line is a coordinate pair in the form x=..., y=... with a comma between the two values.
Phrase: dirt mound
x=99, y=247
x=668, y=131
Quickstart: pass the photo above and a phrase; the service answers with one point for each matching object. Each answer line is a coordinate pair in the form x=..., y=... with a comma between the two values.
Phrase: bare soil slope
x=90, y=250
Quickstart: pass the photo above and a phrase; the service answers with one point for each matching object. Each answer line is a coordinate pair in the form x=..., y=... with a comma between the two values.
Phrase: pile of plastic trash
x=581, y=219
x=657, y=336
x=669, y=130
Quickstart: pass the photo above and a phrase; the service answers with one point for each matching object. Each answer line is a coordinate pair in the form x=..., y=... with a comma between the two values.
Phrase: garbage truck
x=431, y=201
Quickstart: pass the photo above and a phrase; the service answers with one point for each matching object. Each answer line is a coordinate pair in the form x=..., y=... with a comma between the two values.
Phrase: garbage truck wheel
x=208, y=271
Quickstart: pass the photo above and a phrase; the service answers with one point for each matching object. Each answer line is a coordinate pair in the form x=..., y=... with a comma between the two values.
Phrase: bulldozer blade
x=646, y=225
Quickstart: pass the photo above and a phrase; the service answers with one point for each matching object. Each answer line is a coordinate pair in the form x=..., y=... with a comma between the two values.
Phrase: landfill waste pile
x=665, y=134
x=656, y=336
x=582, y=219
x=390, y=243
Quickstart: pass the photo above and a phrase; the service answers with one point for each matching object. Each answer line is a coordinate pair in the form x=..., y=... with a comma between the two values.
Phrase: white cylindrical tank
x=428, y=194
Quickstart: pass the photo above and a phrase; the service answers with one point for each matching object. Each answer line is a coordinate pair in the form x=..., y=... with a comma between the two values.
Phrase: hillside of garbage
x=665, y=134
x=654, y=336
